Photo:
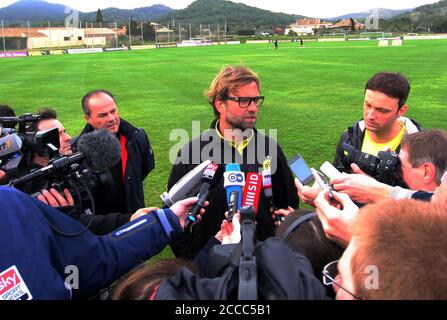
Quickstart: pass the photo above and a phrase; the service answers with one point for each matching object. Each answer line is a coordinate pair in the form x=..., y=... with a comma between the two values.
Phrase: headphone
x=295, y=224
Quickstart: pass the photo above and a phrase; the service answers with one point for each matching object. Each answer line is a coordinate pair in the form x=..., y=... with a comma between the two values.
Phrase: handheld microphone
x=186, y=187
x=252, y=190
x=234, y=181
x=267, y=186
x=207, y=179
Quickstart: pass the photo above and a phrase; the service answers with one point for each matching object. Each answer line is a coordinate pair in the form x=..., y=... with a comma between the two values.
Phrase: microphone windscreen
x=101, y=148
x=10, y=144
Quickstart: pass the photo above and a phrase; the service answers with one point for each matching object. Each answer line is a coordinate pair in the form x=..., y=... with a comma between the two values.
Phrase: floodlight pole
x=218, y=34
x=4, y=44
x=116, y=35
x=190, y=36
x=179, y=33
x=142, y=33
x=130, y=37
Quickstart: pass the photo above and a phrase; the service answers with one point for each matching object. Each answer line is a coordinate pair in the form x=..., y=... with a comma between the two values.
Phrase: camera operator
x=62, y=199
x=7, y=111
x=423, y=161
x=383, y=125
x=47, y=255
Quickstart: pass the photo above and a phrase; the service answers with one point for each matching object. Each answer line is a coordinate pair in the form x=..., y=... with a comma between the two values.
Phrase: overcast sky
x=313, y=8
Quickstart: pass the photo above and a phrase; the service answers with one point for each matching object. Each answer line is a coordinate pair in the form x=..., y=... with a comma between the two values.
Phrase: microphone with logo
x=267, y=186
x=207, y=179
x=234, y=181
x=252, y=190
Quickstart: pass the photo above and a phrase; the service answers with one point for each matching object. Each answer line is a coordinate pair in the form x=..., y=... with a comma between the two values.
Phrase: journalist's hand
x=2, y=176
x=181, y=209
x=307, y=194
x=54, y=199
x=335, y=221
x=282, y=212
x=142, y=212
x=361, y=188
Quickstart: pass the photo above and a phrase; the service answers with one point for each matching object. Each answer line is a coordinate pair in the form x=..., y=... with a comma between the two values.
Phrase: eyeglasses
x=330, y=273
x=244, y=102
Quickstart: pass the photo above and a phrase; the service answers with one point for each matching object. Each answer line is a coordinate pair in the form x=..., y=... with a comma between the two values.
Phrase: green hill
x=238, y=16
x=428, y=18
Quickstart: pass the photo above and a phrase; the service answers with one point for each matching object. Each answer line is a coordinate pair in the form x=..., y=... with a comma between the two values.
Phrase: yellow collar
x=240, y=148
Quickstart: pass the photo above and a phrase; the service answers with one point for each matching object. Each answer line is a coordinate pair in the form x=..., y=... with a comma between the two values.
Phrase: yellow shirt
x=240, y=148
x=371, y=147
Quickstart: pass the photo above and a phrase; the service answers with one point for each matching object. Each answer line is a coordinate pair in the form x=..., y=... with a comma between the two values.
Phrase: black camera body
x=18, y=147
x=384, y=168
x=67, y=172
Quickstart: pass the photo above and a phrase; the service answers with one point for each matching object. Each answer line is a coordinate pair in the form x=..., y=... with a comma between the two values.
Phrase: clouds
x=313, y=8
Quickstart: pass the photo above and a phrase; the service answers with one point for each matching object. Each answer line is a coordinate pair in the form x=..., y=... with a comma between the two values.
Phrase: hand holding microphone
x=207, y=179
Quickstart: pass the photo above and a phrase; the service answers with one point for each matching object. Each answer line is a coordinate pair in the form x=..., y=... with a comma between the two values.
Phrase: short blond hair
x=406, y=240
x=229, y=79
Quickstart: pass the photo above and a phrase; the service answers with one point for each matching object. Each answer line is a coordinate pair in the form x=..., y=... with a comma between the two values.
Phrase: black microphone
x=268, y=191
x=101, y=148
x=207, y=179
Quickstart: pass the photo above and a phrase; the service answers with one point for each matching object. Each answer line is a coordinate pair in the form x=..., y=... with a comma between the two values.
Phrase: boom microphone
x=207, y=179
x=101, y=148
x=234, y=181
x=186, y=187
x=252, y=190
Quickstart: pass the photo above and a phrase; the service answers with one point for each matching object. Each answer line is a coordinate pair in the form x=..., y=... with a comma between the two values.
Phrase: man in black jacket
x=137, y=157
x=382, y=128
x=232, y=138
x=383, y=125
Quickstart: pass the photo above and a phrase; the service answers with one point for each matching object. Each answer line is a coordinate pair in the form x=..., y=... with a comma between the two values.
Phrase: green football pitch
x=312, y=93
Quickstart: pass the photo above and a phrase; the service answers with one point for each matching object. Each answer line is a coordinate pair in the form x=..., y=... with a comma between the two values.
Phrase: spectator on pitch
x=397, y=252
x=137, y=158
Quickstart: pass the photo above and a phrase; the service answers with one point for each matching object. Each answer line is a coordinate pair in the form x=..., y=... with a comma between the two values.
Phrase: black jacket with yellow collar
x=210, y=145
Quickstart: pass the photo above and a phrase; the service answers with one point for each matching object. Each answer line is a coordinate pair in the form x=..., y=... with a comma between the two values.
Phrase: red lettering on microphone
x=252, y=191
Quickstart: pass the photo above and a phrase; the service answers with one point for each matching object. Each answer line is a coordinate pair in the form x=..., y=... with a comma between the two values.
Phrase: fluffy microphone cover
x=102, y=149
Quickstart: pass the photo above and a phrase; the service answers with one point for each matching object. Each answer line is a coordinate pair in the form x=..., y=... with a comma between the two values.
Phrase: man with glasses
x=397, y=252
x=232, y=138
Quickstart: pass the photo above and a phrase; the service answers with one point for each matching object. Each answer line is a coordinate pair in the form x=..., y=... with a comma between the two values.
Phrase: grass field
x=312, y=94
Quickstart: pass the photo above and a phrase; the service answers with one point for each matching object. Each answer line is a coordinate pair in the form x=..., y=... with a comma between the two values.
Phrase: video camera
x=18, y=147
x=81, y=173
x=241, y=255
x=384, y=168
